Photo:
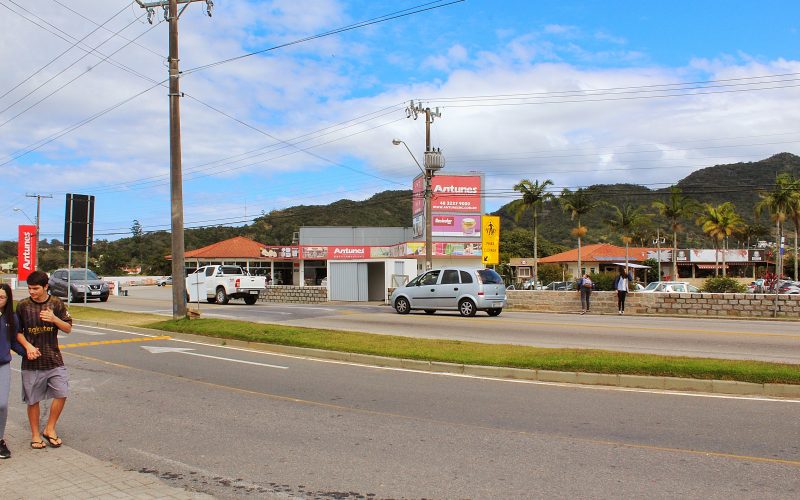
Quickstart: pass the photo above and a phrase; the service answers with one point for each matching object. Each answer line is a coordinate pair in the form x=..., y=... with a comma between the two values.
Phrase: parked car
x=164, y=281
x=466, y=290
x=221, y=283
x=757, y=286
x=531, y=284
x=75, y=285
x=564, y=286
x=788, y=287
x=669, y=286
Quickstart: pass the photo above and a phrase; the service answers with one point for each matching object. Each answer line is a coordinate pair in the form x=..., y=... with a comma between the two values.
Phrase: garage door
x=348, y=281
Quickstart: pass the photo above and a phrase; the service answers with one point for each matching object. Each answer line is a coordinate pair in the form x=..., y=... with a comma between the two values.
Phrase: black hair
x=38, y=278
x=8, y=310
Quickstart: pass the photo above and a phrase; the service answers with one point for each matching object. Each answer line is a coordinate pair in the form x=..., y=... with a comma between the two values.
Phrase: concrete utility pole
x=38, y=218
x=172, y=15
x=433, y=161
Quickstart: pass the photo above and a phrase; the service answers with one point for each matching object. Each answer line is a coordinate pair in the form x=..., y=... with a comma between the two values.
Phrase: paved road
x=236, y=423
x=777, y=341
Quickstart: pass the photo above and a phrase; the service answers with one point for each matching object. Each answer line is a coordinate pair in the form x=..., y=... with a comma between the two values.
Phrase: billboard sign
x=456, y=193
x=284, y=253
x=418, y=195
x=348, y=252
x=456, y=225
x=26, y=252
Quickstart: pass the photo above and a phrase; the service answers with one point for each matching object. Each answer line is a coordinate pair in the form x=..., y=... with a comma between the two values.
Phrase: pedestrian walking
x=44, y=375
x=8, y=342
x=585, y=289
x=621, y=283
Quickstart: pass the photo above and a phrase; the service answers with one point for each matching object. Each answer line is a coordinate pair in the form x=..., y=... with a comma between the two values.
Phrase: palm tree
x=625, y=221
x=794, y=212
x=533, y=197
x=676, y=208
x=719, y=222
x=577, y=203
x=779, y=203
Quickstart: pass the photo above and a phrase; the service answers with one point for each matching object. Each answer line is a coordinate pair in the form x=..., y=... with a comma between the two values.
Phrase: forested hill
x=738, y=183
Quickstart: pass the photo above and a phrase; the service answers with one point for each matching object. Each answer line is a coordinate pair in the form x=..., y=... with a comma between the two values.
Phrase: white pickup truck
x=221, y=283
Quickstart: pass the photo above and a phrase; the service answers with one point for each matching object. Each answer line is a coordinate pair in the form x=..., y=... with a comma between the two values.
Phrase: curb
x=729, y=387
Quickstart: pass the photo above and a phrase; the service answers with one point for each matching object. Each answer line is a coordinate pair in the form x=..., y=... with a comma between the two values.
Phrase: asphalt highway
x=242, y=424
x=775, y=341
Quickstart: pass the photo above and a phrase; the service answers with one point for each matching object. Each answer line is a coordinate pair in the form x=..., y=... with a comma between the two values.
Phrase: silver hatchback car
x=466, y=290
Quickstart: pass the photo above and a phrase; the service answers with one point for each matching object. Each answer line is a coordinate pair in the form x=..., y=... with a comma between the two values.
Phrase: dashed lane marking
x=119, y=341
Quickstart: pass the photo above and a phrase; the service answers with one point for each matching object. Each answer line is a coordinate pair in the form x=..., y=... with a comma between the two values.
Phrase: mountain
x=738, y=183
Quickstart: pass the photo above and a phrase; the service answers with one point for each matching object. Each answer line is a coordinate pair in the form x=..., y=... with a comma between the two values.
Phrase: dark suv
x=83, y=284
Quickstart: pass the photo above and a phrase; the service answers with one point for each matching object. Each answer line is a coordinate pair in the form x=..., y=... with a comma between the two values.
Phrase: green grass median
x=469, y=353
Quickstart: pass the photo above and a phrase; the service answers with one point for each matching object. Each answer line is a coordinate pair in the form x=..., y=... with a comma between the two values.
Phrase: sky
x=296, y=102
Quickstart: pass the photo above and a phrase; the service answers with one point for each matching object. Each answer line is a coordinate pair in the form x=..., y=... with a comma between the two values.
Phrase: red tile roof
x=598, y=252
x=234, y=248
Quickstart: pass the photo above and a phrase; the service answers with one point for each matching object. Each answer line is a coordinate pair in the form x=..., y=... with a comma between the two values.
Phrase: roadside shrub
x=722, y=284
x=549, y=273
x=602, y=281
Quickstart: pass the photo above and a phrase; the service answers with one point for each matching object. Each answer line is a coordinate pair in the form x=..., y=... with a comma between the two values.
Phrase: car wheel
x=402, y=306
x=467, y=308
x=430, y=311
x=104, y=299
x=250, y=299
x=222, y=297
x=494, y=312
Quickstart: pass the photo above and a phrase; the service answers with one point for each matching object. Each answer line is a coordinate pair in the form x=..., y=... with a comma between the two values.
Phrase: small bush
x=602, y=281
x=722, y=284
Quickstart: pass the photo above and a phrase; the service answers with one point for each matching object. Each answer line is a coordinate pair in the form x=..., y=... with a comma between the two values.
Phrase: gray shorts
x=38, y=385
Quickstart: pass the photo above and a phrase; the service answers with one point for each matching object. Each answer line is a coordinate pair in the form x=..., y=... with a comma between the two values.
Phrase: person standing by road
x=621, y=283
x=585, y=289
x=8, y=342
x=44, y=375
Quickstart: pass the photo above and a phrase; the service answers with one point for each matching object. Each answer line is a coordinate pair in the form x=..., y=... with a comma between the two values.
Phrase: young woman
x=8, y=341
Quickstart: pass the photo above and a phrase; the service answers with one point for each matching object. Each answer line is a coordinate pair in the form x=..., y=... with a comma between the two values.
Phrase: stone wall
x=743, y=305
x=296, y=294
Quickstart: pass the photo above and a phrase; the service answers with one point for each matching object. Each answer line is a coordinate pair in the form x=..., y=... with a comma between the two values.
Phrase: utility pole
x=172, y=15
x=432, y=161
x=38, y=218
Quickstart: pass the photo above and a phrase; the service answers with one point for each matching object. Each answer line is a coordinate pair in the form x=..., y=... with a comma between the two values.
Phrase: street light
x=434, y=161
x=36, y=259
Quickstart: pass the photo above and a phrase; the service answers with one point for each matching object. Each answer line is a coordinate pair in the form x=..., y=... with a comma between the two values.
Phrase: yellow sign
x=490, y=239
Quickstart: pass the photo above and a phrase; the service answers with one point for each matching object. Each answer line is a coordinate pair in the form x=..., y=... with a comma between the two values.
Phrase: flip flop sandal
x=38, y=445
x=52, y=440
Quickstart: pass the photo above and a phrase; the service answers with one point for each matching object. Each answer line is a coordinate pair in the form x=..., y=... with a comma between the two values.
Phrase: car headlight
x=79, y=287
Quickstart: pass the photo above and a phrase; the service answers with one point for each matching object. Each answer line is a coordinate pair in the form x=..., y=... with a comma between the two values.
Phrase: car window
x=231, y=270
x=489, y=277
x=693, y=289
x=466, y=277
x=415, y=281
x=209, y=271
x=80, y=274
x=679, y=288
x=429, y=278
x=450, y=277
x=651, y=286
x=62, y=275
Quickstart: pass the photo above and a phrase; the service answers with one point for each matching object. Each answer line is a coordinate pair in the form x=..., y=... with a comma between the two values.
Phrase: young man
x=44, y=375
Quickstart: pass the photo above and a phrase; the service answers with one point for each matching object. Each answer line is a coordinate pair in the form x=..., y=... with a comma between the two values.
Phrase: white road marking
x=184, y=350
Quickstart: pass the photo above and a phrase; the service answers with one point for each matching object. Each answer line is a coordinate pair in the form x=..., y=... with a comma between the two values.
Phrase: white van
x=466, y=290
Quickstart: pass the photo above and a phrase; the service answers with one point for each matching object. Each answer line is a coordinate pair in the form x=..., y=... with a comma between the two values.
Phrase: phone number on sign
x=465, y=204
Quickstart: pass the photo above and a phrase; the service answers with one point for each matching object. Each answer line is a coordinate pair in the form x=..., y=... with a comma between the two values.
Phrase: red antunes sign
x=26, y=252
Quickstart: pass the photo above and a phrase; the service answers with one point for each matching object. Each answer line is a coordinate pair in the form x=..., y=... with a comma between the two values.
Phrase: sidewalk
x=67, y=473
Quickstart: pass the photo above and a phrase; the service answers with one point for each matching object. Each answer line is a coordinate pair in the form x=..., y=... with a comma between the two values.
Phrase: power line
x=361, y=24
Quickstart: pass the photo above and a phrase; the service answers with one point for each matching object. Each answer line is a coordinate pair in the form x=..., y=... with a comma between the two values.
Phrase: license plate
x=253, y=292
x=95, y=293
x=497, y=304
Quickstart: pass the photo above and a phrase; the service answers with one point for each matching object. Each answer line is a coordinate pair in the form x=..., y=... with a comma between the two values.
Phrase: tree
x=533, y=196
x=624, y=221
x=794, y=212
x=577, y=203
x=719, y=222
x=779, y=203
x=676, y=208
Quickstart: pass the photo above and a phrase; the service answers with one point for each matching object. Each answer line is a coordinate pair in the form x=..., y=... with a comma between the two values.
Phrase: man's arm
x=49, y=316
x=30, y=351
